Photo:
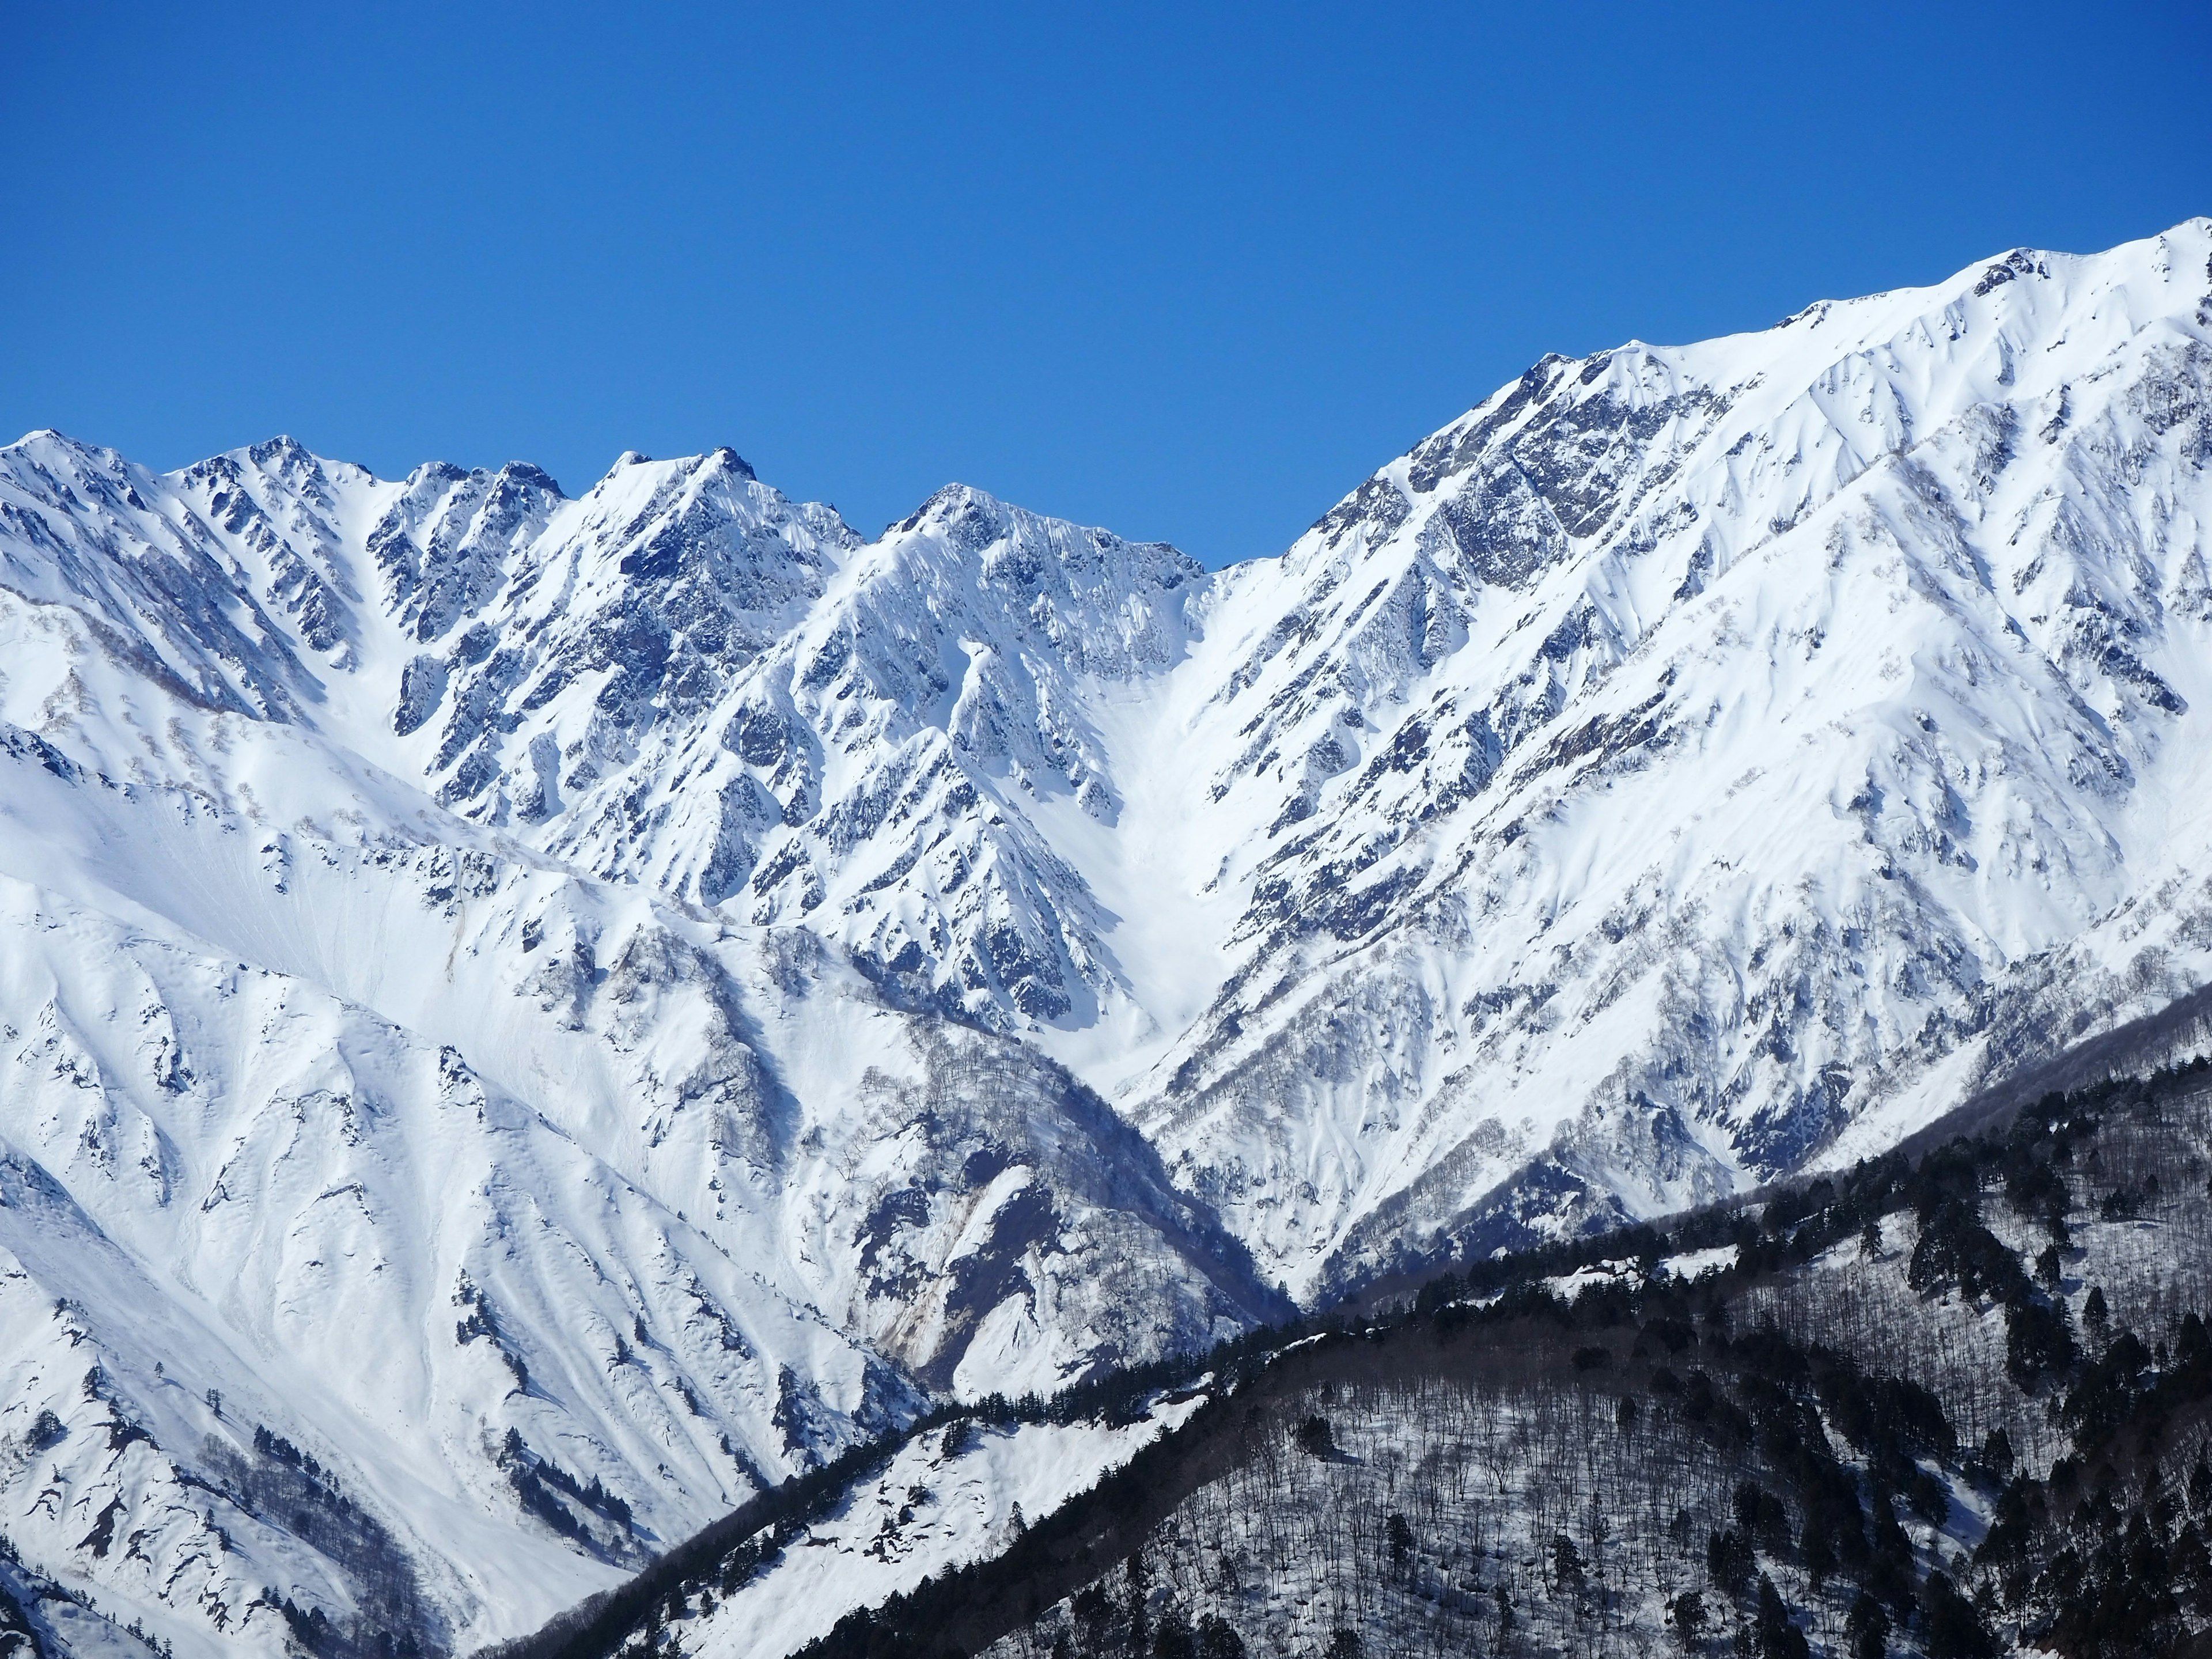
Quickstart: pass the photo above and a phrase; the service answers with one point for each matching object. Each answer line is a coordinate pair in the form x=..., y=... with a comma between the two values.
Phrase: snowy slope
x=947, y=1499
x=1690, y=763
x=1673, y=761
x=340, y=1126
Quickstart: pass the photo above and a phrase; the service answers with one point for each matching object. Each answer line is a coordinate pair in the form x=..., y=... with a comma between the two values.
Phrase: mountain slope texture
x=526, y=1021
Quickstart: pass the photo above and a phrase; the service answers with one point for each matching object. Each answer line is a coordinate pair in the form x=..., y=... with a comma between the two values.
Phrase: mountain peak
x=729, y=459
x=45, y=440
x=954, y=503
x=282, y=447
x=972, y=518
x=528, y=476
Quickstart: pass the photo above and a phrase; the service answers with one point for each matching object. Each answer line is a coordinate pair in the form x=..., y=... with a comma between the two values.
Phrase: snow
x=1811, y=743
x=925, y=1514
x=718, y=936
x=1568, y=1287
x=1692, y=1265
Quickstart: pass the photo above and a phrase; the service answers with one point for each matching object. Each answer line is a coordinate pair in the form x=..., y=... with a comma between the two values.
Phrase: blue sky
x=1190, y=272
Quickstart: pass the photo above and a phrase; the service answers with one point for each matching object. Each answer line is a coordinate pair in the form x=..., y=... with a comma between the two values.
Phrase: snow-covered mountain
x=1675, y=761
x=561, y=1010
x=538, y=1218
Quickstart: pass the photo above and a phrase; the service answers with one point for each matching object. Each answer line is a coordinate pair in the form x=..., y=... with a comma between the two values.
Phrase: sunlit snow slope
x=1680, y=757
x=398, y=1227
x=559, y=1009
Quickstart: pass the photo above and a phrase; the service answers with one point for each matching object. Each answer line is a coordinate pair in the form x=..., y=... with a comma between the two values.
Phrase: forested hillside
x=1949, y=1405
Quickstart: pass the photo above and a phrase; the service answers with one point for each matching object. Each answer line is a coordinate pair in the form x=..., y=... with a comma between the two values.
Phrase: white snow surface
x=925, y=1514
x=1694, y=1264
x=565, y=1010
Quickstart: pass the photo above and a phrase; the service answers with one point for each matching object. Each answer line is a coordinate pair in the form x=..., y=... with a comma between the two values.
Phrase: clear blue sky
x=1191, y=271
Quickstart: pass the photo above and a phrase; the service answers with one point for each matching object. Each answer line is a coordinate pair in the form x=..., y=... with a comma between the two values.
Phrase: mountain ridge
x=967, y=960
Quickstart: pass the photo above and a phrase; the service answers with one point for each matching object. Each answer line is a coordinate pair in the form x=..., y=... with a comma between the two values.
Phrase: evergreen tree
x=1401, y=1537
x=1567, y=1572
x=1729, y=1562
x=1686, y=1613
x=1954, y=1630
x=1868, y=1627
x=1778, y=1637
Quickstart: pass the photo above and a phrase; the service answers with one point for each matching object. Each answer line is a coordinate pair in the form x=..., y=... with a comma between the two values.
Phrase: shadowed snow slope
x=561, y=1010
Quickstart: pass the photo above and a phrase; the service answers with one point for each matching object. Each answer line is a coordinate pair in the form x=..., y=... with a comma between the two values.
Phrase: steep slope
x=355, y=1133
x=246, y=1225
x=1644, y=780
x=1666, y=765
x=875, y=777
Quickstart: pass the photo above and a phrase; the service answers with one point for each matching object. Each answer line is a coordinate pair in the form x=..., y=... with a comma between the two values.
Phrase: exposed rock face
x=740, y=977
